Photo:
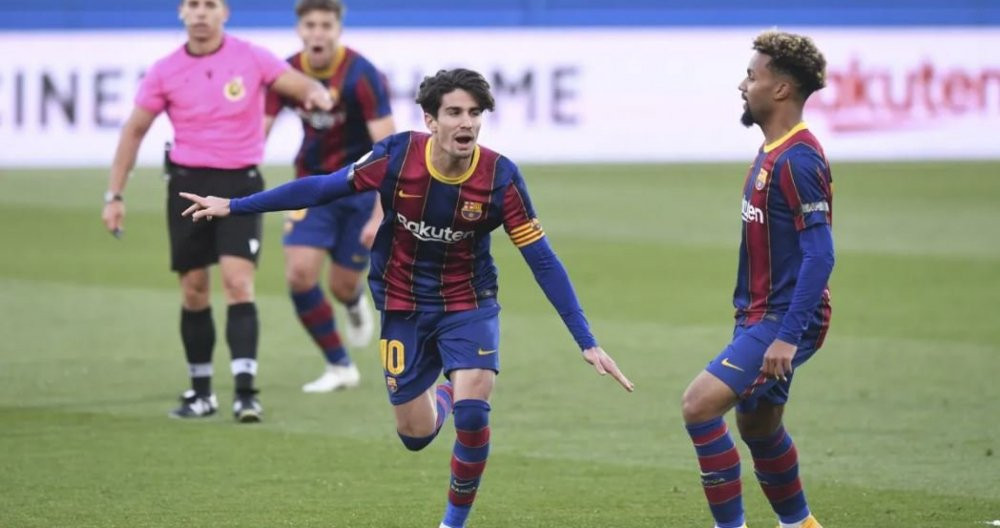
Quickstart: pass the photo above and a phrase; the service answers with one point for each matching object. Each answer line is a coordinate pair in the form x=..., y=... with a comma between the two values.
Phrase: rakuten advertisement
x=562, y=96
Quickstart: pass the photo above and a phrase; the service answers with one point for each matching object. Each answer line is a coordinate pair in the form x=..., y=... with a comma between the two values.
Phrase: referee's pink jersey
x=215, y=102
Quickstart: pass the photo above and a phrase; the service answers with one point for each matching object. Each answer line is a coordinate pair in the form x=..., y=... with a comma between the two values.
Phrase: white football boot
x=360, y=323
x=335, y=377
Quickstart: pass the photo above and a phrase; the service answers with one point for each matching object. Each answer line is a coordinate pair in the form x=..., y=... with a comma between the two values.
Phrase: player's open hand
x=778, y=360
x=206, y=207
x=603, y=364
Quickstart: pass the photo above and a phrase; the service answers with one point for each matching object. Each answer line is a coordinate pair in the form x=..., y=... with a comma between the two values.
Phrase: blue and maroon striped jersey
x=333, y=139
x=789, y=188
x=434, y=254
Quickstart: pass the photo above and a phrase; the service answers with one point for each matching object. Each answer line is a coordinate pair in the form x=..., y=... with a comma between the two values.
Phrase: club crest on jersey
x=472, y=210
x=234, y=89
x=761, y=180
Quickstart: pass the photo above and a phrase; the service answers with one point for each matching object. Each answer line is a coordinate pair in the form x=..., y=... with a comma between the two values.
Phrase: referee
x=212, y=89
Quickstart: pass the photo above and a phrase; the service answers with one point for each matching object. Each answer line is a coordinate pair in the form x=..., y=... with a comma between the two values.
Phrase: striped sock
x=720, y=471
x=468, y=459
x=776, y=463
x=316, y=315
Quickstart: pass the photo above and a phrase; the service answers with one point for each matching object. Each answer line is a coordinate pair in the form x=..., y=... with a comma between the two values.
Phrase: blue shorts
x=738, y=365
x=416, y=346
x=335, y=227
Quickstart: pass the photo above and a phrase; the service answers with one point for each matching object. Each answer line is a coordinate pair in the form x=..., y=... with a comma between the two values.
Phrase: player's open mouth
x=317, y=49
x=463, y=140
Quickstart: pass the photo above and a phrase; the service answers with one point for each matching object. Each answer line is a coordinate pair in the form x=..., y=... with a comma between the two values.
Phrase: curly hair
x=304, y=7
x=796, y=56
x=433, y=88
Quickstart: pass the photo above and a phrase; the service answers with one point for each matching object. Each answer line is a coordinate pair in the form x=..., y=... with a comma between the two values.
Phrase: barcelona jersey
x=340, y=136
x=789, y=188
x=432, y=252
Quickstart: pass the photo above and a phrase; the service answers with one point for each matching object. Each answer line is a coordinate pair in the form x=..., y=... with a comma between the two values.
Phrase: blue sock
x=468, y=459
x=776, y=463
x=720, y=471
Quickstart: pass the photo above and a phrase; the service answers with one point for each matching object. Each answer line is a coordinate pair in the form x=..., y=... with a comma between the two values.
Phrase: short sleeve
x=273, y=103
x=271, y=67
x=519, y=218
x=372, y=92
x=151, y=95
x=367, y=173
x=805, y=183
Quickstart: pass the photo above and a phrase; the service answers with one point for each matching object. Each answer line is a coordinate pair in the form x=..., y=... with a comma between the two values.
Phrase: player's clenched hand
x=318, y=99
x=603, y=364
x=205, y=206
x=778, y=359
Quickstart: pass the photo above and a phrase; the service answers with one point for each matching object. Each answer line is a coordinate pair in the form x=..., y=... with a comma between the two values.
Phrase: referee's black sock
x=242, y=329
x=198, y=335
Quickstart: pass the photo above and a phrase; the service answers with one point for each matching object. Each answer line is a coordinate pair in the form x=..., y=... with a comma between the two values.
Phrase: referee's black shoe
x=194, y=405
x=247, y=408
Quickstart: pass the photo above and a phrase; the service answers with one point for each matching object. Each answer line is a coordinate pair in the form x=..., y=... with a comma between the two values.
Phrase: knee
x=414, y=430
x=416, y=443
x=239, y=287
x=758, y=424
x=471, y=415
x=693, y=408
x=344, y=291
x=196, y=294
x=299, y=278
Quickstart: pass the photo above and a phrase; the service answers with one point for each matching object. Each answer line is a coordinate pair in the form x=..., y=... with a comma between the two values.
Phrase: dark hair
x=432, y=89
x=796, y=56
x=304, y=7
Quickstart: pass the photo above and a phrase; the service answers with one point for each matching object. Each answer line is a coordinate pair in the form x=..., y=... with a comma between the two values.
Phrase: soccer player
x=432, y=275
x=212, y=89
x=332, y=139
x=782, y=300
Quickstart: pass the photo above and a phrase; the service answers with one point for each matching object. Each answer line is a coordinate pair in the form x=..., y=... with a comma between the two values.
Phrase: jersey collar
x=325, y=73
x=453, y=180
x=777, y=143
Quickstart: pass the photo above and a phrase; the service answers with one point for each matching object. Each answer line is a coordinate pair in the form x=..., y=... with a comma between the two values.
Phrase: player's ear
x=784, y=89
x=430, y=123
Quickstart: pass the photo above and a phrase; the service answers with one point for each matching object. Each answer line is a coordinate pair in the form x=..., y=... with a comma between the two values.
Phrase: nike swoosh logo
x=727, y=363
x=404, y=194
x=486, y=352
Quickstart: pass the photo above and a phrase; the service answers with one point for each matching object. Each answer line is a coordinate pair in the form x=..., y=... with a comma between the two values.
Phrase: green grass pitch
x=897, y=419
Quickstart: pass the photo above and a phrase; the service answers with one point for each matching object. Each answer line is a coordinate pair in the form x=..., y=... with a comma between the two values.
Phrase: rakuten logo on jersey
x=429, y=233
x=864, y=98
x=752, y=213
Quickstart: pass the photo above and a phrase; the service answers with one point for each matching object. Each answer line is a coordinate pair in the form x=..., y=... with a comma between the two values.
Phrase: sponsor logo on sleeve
x=815, y=206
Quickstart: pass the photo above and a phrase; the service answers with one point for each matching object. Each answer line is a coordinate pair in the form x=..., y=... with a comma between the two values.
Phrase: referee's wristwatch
x=110, y=196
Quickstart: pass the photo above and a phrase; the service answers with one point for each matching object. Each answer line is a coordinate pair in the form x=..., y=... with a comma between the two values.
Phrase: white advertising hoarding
x=568, y=95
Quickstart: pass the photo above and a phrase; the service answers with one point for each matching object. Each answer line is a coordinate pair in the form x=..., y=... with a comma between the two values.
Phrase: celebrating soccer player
x=432, y=275
x=212, y=89
x=782, y=300
x=342, y=229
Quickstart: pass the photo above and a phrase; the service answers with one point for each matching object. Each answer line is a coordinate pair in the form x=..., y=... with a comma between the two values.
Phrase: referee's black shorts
x=196, y=245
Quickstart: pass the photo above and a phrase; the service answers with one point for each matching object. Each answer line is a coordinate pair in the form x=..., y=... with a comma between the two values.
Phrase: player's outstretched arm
x=296, y=194
x=554, y=281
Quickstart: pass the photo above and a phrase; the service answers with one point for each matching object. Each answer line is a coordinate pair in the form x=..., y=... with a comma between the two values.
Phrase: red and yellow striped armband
x=527, y=233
